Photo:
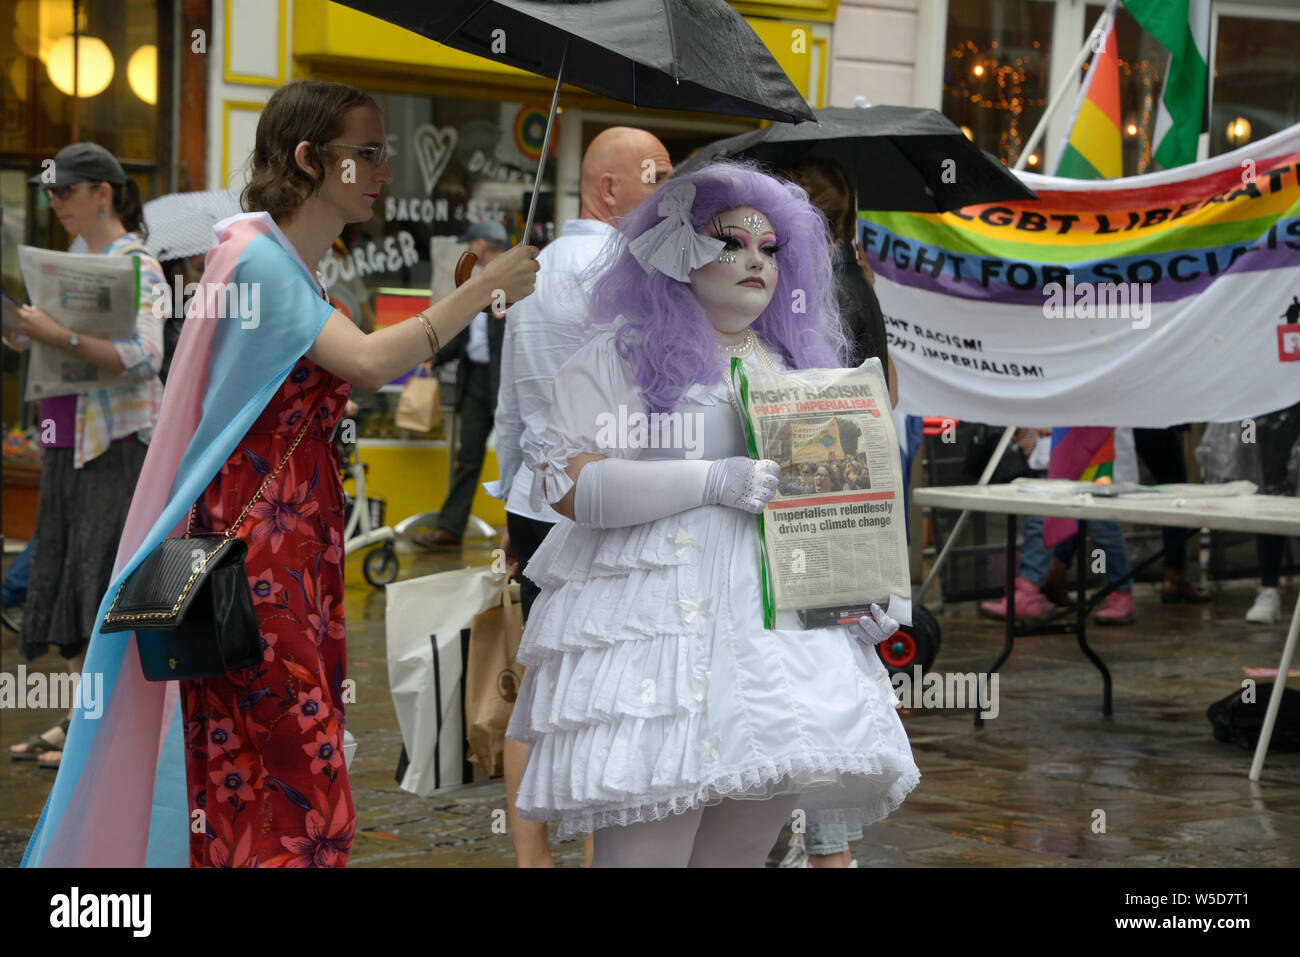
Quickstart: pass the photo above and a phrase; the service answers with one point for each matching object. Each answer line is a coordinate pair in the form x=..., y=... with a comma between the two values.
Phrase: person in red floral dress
x=298, y=812
x=264, y=745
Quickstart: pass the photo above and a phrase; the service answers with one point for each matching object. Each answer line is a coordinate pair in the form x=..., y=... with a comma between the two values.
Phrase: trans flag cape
x=120, y=797
x=1144, y=301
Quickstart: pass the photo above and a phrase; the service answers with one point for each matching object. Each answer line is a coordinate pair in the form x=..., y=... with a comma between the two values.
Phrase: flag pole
x=1070, y=79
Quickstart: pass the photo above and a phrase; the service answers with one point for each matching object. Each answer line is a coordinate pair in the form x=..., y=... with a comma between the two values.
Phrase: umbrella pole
x=546, y=145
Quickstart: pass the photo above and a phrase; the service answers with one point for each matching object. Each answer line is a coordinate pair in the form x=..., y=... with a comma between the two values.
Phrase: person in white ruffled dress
x=661, y=714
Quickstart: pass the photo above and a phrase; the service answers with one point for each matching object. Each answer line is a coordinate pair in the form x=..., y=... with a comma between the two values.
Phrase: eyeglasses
x=374, y=155
x=61, y=193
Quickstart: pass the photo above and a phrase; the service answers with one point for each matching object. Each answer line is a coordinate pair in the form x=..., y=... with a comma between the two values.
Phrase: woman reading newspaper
x=661, y=713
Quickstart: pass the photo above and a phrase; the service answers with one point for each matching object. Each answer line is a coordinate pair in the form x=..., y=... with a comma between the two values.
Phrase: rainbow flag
x=1092, y=149
x=1085, y=454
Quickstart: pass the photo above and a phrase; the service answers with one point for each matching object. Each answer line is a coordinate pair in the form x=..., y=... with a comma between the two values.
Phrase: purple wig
x=665, y=334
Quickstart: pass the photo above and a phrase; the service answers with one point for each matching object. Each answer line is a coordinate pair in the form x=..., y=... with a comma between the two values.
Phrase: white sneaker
x=1267, y=609
x=797, y=856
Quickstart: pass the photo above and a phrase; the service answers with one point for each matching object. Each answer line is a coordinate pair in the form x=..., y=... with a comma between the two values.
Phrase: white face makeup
x=735, y=288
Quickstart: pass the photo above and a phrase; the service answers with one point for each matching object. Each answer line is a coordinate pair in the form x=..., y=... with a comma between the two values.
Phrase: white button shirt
x=542, y=333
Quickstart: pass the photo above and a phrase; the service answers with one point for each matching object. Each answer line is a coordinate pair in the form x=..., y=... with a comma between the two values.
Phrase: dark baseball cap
x=489, y=229
x=77, y=162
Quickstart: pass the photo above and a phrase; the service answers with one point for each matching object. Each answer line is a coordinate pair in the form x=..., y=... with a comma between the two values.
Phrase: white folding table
x=1258, y=514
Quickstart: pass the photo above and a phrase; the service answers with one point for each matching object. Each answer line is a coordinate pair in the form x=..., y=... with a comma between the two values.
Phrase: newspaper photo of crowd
x=826, y=459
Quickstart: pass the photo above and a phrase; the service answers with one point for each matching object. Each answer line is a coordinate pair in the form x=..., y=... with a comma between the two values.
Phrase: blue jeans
x=1034, y=558
x=15, y=583
x=829, y=832
x=1108, y=536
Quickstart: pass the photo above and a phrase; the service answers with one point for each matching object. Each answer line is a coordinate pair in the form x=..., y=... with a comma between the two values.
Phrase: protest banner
x=1145, y=301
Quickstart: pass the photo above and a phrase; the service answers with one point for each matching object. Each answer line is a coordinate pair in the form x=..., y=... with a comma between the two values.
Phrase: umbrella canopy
x=180, y=224
x=898, y=157
x=668, y=54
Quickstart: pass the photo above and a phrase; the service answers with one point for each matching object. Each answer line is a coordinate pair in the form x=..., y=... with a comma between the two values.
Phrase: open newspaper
x=834, y=537
x=91, y=295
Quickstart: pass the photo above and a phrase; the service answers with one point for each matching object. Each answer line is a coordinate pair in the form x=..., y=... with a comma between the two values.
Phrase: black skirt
x=79, y=520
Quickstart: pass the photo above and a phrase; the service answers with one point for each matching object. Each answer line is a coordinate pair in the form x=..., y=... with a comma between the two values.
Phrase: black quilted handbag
x=191, y=610
x=189, y=603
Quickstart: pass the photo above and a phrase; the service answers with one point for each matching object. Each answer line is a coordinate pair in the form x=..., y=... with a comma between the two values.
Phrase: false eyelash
x=728, y=241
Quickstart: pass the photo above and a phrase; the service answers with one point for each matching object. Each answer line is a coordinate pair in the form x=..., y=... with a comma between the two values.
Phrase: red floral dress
x=264, y=745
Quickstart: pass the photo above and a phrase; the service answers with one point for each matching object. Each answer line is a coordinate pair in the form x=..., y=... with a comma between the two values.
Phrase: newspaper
x=834, y=537
x=89, y=294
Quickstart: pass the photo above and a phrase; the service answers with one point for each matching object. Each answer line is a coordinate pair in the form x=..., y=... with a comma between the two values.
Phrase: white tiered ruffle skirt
x=653, y=687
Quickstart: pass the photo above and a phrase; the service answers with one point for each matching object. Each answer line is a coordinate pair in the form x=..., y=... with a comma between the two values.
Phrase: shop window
x=1256, y=80
x=117, y=71
x=115, y=82
x=995, y=83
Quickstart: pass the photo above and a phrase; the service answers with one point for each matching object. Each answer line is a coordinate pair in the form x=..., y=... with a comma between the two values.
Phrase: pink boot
x=1119, y=609
x=1028, y=602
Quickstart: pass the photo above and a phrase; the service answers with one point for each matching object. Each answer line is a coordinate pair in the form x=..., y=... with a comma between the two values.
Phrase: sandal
x=36, y=745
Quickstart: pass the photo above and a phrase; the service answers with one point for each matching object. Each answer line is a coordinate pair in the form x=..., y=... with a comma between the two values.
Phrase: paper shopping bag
x=420, y=407
x=492, y=679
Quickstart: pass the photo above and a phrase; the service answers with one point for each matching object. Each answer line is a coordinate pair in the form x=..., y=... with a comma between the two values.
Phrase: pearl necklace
x=741, y=349
x=749, y=346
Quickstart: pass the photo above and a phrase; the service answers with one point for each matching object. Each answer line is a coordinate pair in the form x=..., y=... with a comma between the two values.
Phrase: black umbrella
x=668, y=54
x=899, y=157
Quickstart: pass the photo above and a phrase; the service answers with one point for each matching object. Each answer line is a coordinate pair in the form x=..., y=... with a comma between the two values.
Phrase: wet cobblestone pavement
x=1024, y=790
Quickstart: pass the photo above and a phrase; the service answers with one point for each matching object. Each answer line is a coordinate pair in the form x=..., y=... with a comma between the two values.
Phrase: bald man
x=620, y=169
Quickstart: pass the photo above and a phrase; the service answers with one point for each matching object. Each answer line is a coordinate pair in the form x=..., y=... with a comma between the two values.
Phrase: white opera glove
x=874, y=628
x=743, y=483
x=616, y=493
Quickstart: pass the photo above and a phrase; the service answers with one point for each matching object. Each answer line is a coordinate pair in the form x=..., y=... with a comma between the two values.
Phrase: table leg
x=1081, y=618
x=1275, y=701
x=1011, y=610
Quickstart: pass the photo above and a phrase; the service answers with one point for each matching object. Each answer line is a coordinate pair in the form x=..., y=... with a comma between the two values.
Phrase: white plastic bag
x=424, y=620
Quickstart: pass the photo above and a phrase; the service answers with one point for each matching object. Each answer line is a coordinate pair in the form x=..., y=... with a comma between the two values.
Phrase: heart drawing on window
x=433, y=149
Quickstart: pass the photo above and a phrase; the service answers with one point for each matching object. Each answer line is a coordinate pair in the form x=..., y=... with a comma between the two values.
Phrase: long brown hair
x=829, y=189
x=303, y=110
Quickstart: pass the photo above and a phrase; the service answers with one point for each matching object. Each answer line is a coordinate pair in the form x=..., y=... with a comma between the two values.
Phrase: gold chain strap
x=266, y=483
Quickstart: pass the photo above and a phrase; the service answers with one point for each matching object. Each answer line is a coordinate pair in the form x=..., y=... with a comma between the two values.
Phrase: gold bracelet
x=434, y=342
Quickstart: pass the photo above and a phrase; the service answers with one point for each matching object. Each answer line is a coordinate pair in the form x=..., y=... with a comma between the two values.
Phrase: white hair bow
x=673, y=246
